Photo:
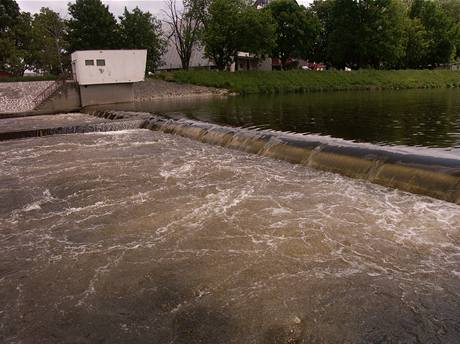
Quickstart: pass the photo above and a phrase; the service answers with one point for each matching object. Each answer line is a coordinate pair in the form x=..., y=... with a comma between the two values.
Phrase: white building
x=93, y=67
x=107, y=76
x=171, y=60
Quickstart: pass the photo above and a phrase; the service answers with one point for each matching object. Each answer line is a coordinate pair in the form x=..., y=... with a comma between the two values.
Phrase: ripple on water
x=150, y=236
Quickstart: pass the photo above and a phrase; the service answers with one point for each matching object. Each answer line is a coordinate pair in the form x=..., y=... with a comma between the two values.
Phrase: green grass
x=28, y=78
x=299, y=81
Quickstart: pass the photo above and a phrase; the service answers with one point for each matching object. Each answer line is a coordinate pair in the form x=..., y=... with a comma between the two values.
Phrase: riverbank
x=299, y=81
x=18, y=98
x=153, y=89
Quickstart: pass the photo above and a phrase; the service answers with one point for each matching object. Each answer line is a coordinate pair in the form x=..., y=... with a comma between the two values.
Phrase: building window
x=100, y=62
x=89, y=62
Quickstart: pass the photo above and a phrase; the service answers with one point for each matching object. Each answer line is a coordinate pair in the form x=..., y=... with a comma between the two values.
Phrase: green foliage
x=221, y=34
x=379, y=34
x=417, y=43
x=297, y=81
x=367, y=33
x=296, y=32
x=438, y=35
x=92, y=26
x=257, y=30
x=15, y=45
x=141, y=30
x=48, y=42
x=9, y=11
x=232, y=26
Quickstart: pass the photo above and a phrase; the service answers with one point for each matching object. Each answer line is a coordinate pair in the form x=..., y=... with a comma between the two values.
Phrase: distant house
x=247, y=61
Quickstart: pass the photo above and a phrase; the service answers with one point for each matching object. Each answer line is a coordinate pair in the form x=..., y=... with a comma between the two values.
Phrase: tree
x=439, y=32
x=381, y=32
x=9, y=12
x=343, y=40
x=297, y=30
x=258, y=31
x=15, y=45
x=365, y=33
x=452, y=10
x=48, y=41
x=232, y=26
x=417, y=43
x=185, y=27
x=322, y=9
x=141, y=30
x=92, y=26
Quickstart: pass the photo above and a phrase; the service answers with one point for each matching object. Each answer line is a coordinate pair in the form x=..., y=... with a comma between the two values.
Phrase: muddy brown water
x=144, y=237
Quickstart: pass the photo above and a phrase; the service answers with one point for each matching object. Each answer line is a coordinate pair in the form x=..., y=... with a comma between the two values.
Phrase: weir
x=429, y=175
x=37, y=126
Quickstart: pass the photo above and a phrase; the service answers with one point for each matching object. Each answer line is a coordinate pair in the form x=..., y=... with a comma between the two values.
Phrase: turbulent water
x=139, y=236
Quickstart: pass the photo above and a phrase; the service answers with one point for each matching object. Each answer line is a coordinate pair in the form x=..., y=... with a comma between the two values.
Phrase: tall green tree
x=438, y=32
x=15, y=45
x=9, y=12
x=92, y=26
x=234, y=25
x=452, y=10
x=344, y=36
x=48, y=50
x=364, y=33
x=382, y=33
x=417, y=44
x=141, y=30
x=297, y=30
x=322, y=9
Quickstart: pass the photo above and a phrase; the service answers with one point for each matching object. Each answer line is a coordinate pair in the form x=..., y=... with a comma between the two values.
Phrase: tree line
x=380, y=34
x=43, y=41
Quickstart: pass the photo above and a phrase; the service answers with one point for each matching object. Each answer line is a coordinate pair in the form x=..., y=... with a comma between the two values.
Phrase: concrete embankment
x=411, y=171
x=19, y=99
x=36, y=126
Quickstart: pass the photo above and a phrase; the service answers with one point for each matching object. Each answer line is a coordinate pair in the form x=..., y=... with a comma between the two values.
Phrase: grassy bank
x=308, y=81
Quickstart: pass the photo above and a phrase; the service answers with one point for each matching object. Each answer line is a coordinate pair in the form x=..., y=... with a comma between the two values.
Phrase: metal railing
x=50, y=90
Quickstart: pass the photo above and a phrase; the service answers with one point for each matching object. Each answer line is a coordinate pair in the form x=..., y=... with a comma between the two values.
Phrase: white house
x=107, y=76
x=93, y=67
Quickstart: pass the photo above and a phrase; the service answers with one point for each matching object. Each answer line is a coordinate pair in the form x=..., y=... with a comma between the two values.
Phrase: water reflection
x=426, y=118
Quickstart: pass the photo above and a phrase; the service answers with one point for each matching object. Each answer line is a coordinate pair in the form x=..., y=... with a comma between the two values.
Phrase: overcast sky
x=115, y=6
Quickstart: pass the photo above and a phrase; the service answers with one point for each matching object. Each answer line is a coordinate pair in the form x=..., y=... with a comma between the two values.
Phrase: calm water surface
x=424, y=118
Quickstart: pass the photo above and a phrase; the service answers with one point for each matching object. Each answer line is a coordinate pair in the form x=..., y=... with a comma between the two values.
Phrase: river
x=417, y=118
x=144, y=237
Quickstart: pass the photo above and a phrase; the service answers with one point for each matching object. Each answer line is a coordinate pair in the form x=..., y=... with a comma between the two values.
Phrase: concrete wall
x=65, y=99
x=106, y=94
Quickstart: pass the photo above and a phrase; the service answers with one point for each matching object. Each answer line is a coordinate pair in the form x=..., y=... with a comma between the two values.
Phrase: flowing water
x=422, y=118
x=144, y=237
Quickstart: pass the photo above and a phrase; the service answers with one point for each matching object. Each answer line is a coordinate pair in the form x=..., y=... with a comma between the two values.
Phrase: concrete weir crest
x=410, y=171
